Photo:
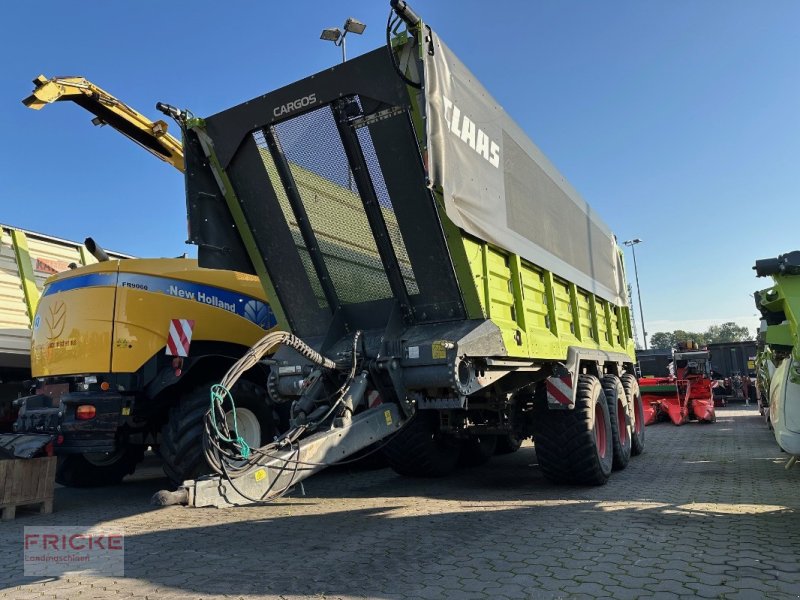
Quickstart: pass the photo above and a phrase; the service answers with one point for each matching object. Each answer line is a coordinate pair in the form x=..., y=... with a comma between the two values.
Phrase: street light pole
x=632, y=245
x=339, y=38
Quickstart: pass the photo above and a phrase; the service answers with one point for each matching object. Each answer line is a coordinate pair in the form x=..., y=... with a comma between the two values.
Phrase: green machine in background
x=778, y=363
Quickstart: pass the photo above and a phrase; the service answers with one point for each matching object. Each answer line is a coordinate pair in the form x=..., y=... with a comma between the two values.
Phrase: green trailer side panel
x=576, y=312
x=540, y=315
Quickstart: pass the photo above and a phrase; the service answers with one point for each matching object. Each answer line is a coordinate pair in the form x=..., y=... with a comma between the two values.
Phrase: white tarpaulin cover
x=499, y=186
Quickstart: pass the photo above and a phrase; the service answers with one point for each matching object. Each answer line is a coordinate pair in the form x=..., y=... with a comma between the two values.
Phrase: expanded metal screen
x=329, y=194
x=387, y=209
x=291, y=219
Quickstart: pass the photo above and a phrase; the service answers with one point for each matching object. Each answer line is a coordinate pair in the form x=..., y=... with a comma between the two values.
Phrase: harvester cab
x=439, y=313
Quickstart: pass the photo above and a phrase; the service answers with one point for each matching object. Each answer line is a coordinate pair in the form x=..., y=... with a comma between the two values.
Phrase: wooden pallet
x=26, y=482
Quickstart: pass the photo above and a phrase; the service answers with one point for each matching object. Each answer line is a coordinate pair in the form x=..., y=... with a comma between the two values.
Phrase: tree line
x=727, y=332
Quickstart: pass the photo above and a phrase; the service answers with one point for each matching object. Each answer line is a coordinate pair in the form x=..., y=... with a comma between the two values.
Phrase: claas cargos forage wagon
x=443, y=292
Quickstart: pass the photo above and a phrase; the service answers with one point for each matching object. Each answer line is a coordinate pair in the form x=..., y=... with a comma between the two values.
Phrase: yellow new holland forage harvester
x=124, y=352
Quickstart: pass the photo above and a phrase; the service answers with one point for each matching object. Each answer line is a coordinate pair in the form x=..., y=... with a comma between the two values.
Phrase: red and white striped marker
x=180, y=337
x=374, y=399
x=559, y=391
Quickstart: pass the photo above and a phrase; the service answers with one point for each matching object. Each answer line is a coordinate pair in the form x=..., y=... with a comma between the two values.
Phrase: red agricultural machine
x=686, y=395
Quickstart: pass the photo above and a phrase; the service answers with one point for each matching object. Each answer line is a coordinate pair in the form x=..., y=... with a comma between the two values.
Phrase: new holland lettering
x=214, y=301
x=464, y=129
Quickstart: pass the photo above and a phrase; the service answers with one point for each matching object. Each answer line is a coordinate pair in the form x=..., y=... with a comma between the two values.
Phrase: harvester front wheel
x=182, y=437
x=94, y=470
x=477, y=450
x=508, y=443
x=631, y=387
x=621, y=421
x=420, y=449
x=574, y=446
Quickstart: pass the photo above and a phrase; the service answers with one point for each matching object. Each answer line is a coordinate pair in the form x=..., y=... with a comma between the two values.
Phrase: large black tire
x=477, y=450
x=574, y=446
x=420, y=450
x=508, y=444
x=78, y=470
x=619, y=413
x=631, y=386
x=182, y=436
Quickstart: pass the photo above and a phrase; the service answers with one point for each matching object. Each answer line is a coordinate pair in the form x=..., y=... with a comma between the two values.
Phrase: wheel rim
x=600, y=433
x=248, y=426
x=622, y=423
x=102, y=459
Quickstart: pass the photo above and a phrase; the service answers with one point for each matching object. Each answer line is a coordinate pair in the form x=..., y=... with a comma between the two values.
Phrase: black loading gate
x=335, y=196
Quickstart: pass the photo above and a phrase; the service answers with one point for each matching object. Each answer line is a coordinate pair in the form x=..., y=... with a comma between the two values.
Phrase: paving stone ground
x=707, y=511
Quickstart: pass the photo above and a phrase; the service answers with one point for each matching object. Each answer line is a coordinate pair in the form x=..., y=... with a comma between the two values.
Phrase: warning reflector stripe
x=559, y=390
x=180, y=337
x=374, y=399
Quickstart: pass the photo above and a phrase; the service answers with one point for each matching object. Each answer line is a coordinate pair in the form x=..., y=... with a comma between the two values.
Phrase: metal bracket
x=285, y=468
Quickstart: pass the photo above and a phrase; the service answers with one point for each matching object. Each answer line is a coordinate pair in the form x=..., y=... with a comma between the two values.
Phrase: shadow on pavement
x=699, y=496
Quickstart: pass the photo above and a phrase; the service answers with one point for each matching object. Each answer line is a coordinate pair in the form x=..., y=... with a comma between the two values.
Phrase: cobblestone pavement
x=707, y=511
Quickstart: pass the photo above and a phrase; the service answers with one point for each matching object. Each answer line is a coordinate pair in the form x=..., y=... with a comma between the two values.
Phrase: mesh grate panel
x=320, y=168
x=291, y=220
x=387, y=209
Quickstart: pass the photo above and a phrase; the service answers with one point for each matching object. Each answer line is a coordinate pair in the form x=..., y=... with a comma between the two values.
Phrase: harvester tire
x=631, y=386
x=420, y=450
x=574, y=446
x=508, y=444
x=80, y=470
x=181, y=449
x=477, y=450
x=621, y=421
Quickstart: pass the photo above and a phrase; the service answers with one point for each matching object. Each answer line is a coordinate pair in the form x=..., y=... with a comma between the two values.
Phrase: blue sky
x=679, y=122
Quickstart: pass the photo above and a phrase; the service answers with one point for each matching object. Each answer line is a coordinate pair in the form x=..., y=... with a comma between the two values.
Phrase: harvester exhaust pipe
x=96, y=250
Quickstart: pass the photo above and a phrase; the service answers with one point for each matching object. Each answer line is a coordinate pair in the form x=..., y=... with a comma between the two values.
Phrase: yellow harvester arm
x=151, y=135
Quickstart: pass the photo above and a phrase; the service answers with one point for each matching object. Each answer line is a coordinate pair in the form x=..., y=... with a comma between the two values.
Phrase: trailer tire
x=574, y=446
x=420, y=450
x=508, y=444
x=80, y=470
x=477, y=450
x=619, y=413
x=181, y=449
x=631, y=386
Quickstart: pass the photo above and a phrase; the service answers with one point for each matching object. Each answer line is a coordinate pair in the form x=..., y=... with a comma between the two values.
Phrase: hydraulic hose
x=267, y=343
x=226, y=452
